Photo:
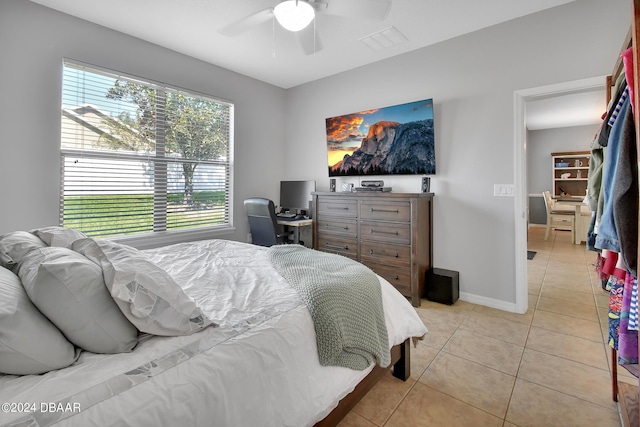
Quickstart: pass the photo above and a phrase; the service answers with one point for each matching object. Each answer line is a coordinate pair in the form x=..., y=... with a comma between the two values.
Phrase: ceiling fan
x=302, y=12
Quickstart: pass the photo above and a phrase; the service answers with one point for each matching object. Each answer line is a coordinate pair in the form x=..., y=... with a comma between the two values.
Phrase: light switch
x=503, y=190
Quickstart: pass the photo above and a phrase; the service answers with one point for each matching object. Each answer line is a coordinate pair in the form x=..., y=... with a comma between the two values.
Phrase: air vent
x=384, y=39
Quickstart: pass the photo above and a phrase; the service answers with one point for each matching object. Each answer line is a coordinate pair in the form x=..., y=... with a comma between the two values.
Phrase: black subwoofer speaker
x=442, y=286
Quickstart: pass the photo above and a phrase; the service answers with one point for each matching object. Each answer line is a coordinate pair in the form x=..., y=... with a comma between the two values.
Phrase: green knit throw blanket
x=345, y=302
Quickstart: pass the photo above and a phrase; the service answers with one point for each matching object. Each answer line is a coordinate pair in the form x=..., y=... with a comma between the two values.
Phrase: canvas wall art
x=395, y=140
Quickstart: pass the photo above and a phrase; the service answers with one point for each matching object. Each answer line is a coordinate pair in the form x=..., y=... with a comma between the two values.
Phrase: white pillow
x=145, y=293
x=15, y=245
x=58, y=236
x=69, y=289
x=29, y=342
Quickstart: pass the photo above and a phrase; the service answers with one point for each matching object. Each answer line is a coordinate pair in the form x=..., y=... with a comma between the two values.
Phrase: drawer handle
x=397, y=255
x=394, y=233
x=340, y=208
x=337, y=247
x=385, y=210
x=397, y=277
x=329, y=226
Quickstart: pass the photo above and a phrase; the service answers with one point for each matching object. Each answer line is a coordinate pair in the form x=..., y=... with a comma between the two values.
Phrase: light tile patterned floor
x=484, y=367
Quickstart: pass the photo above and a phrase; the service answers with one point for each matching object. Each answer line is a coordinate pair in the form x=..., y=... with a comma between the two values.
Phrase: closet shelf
x=629, y=406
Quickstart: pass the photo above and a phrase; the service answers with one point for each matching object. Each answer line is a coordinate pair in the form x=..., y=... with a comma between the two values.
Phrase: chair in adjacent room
x=263, y=223
x=558, y=218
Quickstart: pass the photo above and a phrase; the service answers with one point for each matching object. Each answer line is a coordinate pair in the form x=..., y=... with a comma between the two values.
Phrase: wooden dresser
x=391, y=233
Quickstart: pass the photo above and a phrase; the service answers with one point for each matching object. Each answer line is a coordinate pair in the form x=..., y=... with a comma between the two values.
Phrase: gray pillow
x=145, y=293
x=15, y=245
x=29, y=342
x=69, y=289
x=58, y=236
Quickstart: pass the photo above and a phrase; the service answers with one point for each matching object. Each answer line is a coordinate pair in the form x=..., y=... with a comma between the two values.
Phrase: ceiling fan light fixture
x=294, y=15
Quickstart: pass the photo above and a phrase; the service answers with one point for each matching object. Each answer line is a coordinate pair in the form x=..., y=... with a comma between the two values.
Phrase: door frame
x=520, y=98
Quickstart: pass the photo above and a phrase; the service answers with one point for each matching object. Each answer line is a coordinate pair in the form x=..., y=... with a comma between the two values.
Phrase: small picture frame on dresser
x=347, y=187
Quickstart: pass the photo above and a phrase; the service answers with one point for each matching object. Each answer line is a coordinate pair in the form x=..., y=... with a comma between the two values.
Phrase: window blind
x=139, y=157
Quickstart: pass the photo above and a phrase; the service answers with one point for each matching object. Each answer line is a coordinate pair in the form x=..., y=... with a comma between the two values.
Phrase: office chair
x=263, y=223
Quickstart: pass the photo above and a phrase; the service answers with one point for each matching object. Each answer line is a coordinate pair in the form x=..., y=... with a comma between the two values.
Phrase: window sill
x=154, y=240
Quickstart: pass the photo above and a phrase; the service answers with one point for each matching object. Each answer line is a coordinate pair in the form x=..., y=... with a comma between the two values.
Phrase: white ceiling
x=192, y=27
x=271, y=54
x=575, y=109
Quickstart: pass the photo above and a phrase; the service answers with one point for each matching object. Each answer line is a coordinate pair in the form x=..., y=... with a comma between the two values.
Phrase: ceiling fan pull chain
x=273, y=36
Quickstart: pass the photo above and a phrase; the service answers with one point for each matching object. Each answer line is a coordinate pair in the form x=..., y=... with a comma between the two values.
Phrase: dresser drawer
x=399, y=277
x=389, y=232
x=386, y=210
x=385, y=231
x=384, y=253
x=337, y=226
x=337, y=245
x=337, y=206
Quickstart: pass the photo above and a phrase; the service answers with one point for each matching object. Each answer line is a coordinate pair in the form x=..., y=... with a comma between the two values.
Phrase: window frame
x=164, y=237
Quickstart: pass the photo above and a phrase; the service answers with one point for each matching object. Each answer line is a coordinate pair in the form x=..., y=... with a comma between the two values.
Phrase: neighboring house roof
x=86, y=127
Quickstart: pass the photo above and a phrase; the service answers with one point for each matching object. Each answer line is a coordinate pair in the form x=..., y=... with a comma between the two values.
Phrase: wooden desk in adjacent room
x=296, y=224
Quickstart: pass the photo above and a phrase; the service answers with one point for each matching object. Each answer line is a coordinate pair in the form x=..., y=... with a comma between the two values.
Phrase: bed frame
x=401, y=362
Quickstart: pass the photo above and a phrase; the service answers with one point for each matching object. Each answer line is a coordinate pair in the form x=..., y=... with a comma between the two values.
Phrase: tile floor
x=484, y=367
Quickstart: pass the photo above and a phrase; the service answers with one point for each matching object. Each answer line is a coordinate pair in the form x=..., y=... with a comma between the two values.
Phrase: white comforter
x=258, y=367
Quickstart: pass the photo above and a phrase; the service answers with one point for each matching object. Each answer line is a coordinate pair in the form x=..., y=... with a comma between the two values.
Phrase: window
x=139, y=157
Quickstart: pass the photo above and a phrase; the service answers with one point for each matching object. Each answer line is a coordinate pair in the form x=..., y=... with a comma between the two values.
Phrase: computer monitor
x=296, y=195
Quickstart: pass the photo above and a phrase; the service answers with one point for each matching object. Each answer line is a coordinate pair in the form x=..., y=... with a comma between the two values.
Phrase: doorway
x=521, y=198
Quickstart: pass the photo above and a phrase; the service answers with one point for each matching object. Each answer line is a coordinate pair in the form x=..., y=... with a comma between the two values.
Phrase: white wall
x=472, y=80
x=540, y=145
x=33, y=42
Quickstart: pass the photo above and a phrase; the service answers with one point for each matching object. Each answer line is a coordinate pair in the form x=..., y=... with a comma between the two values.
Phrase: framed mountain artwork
x=395, y=140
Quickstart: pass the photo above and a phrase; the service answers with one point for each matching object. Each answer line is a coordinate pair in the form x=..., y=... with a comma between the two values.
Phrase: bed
x=237, y=347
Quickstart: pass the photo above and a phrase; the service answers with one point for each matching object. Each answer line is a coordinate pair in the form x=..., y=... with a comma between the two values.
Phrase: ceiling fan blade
x=247, y=23
x=309, y=40
x=368, y=9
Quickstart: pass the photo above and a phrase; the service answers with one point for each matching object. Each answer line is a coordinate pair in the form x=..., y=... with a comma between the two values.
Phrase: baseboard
x=489, y=302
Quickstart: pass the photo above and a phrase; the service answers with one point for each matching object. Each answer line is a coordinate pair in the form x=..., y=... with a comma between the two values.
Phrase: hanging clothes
x=615, y=308
x=627, y=339
x=627, y=61
x=613, y=192
x=594, y=197
x=625, y=194
x=633, y=309
x=607, y=236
